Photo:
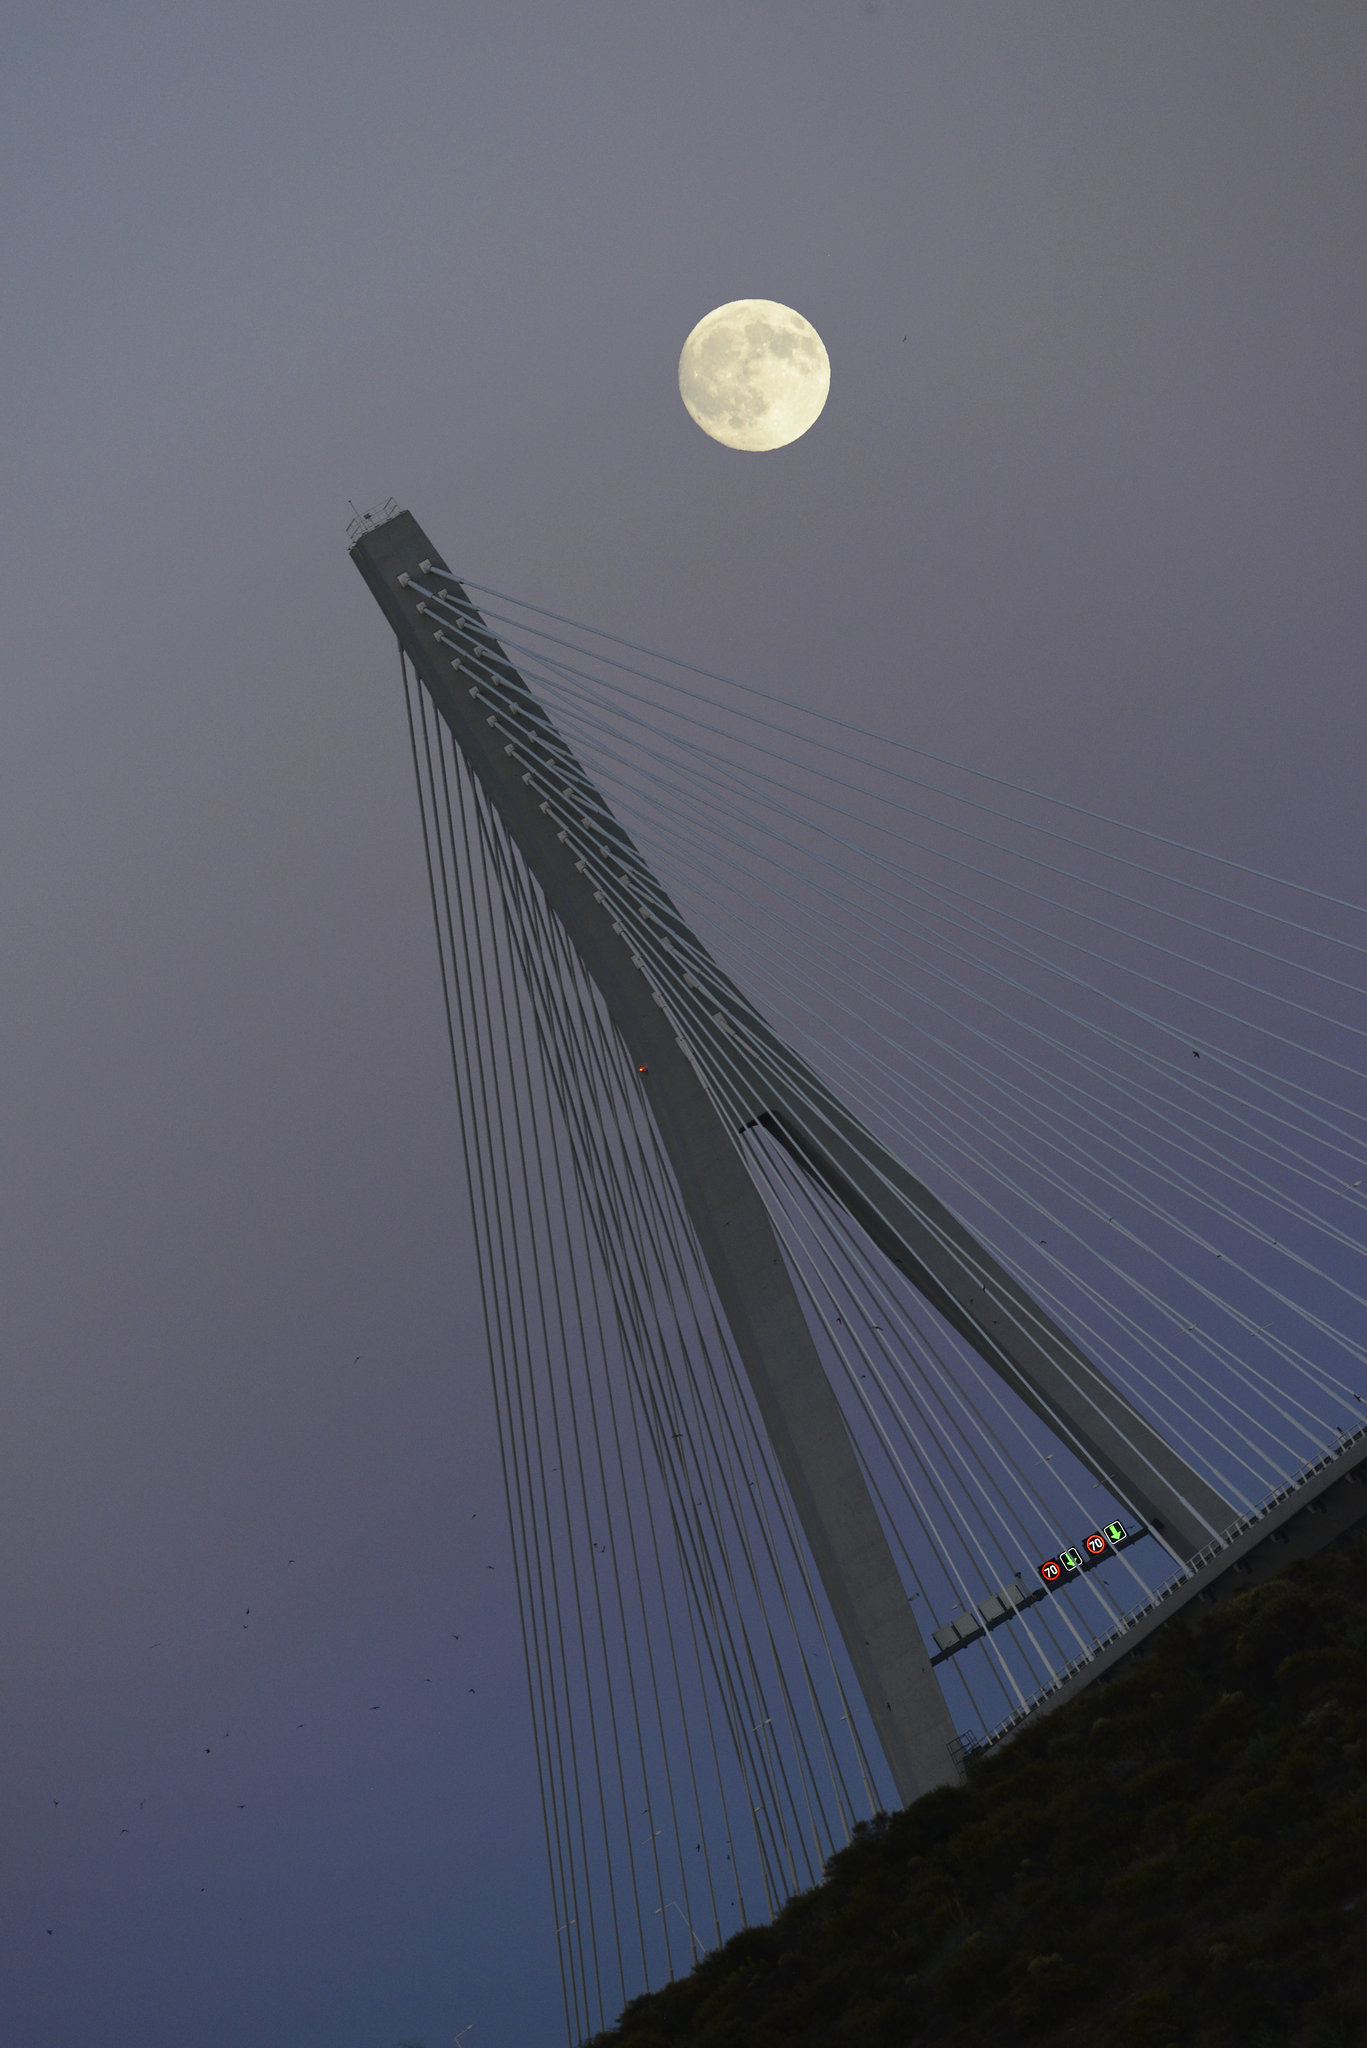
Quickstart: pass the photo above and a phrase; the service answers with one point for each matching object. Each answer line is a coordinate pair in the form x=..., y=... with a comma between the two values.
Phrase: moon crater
x=754, y=374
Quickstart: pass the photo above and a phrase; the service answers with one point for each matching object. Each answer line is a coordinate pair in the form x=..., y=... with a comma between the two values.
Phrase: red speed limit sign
x=1051, y=1570
x=1096, y=1544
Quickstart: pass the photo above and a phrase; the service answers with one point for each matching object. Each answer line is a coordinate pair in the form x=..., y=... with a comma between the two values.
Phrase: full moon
x=754, y=374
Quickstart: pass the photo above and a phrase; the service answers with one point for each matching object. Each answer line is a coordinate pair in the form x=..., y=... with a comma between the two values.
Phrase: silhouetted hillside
x=1178, y=1857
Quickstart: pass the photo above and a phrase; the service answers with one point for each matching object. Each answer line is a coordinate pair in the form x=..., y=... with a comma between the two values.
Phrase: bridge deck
x=1315, y=1511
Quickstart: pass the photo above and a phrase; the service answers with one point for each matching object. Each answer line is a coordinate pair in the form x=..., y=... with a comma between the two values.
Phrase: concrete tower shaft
x=677, y=1013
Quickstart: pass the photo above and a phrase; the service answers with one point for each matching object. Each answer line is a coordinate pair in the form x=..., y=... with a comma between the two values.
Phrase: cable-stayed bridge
x=920, y=1234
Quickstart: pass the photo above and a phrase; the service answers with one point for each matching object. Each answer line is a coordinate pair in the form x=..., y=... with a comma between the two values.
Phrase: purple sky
x=1096, y=522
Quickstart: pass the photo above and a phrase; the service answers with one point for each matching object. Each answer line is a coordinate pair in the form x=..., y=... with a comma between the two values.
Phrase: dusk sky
x=1086, y=508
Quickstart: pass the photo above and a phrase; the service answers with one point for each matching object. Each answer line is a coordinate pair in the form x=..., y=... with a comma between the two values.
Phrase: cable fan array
x=1132, y=1069
x=699, y=1753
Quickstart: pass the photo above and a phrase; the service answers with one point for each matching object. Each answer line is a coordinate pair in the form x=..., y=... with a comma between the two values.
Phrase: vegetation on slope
x=1177, y=1857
